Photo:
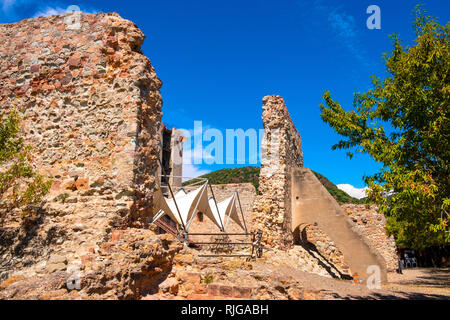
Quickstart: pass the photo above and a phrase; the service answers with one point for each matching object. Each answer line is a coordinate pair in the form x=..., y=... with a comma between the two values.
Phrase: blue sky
x=218, y=59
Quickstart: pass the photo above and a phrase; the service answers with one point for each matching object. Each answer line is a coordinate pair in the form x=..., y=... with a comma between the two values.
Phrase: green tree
x=403, y=123
x=20, y=186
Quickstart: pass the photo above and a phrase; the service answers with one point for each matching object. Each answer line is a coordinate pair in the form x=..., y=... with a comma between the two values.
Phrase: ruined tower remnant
x=292, y=198
x=282, y=150
x=172, y=156
x=91, y=110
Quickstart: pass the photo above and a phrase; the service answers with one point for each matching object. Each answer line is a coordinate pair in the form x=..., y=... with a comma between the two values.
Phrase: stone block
x=226, y=291
x=200, y=297
x=213, y=289
x=242, y=292
x=200, y=288
x=82, y=183
x=193, y=278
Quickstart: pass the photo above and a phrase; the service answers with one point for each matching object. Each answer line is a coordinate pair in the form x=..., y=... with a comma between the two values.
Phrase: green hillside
x=234, y=175
x=338, y=194
x=251, y=175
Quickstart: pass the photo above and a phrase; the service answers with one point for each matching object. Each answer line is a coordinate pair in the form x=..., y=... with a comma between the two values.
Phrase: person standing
x=400, y=262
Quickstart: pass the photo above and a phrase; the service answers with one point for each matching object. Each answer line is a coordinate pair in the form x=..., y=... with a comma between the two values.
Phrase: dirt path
x=422, y=282
x=412, y=284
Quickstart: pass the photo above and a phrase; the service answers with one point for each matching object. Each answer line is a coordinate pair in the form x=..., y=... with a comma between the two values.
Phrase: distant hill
x=234, y=175
x=251, y=175
x=338, y=194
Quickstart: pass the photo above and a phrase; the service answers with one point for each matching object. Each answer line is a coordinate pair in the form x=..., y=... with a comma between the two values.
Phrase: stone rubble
x=129, y=266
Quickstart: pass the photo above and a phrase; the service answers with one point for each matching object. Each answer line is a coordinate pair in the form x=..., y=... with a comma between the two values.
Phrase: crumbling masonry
x=291, y=197
x=282, y=150
x=91, y=110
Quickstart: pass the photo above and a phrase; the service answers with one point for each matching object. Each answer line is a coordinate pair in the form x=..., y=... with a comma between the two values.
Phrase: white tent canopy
x=202, y=206
x=186, y=205
x=163, y=207
x=227, y=210
x=160, y=203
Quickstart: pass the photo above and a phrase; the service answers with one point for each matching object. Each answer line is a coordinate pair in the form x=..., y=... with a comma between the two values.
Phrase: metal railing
x=256, y=248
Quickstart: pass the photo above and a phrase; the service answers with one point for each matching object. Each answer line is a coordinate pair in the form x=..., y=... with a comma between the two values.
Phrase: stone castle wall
x=282, y=150
x=274, y=207
x=370, y=223
x=91, y=110
x=373, y=226
x=176, y=158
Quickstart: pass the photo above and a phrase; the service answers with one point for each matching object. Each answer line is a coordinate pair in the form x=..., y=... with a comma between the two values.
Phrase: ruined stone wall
x=91, y=110
x=278, y=210
x=247, y=195
x=313, y=238
x=373, y=225
x=370, y=223
x=282, y=150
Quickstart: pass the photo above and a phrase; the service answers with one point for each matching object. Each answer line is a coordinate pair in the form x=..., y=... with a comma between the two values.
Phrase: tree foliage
x=403, y=123
x=20, y=186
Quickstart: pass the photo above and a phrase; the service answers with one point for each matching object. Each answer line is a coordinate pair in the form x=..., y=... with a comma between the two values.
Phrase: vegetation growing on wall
x=20, y=186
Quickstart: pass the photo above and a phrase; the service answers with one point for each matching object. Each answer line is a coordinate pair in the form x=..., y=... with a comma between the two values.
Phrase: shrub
x=21, y=187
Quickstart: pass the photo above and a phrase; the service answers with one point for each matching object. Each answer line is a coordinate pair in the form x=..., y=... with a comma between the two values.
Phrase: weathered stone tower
x=91, y=110
x=282, y=150
x=292, y=198
x=171, y=157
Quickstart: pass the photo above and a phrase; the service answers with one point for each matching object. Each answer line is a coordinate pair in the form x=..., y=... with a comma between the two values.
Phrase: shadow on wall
x=301, y=239
x=25, y=240
x=313, y=205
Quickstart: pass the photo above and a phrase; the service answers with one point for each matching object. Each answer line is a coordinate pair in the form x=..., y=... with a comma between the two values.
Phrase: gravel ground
x=422, y=282
x=412, y=284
